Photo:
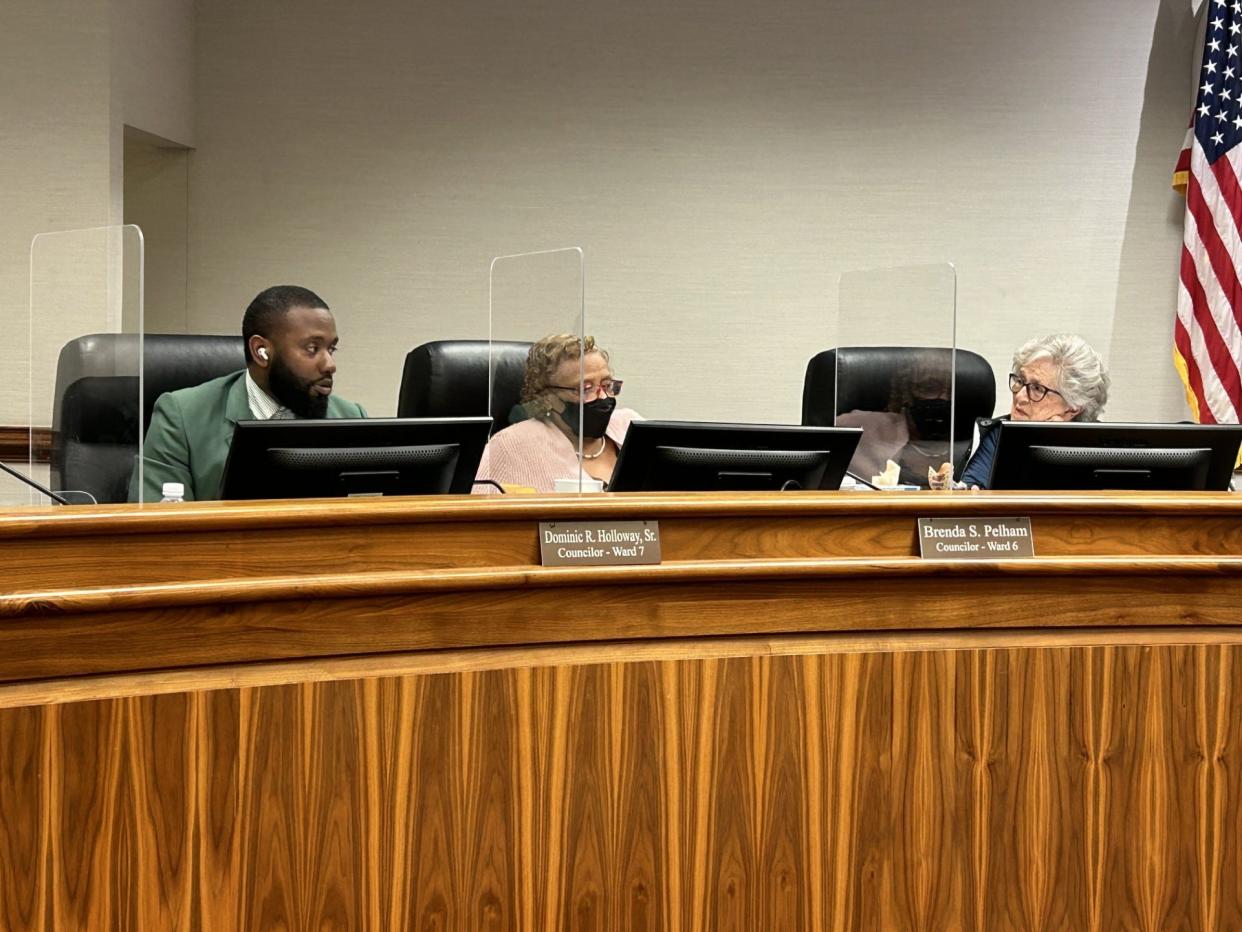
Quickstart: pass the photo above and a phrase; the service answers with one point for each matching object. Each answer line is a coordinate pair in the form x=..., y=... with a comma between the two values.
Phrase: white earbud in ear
x=263, y=354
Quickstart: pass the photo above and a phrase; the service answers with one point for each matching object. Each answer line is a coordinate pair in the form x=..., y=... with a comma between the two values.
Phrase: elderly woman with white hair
x=1056, y=378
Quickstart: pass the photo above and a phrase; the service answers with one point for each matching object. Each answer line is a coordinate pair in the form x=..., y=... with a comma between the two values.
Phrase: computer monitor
x=332, y=457
x=1048, y=455
x=674, y=456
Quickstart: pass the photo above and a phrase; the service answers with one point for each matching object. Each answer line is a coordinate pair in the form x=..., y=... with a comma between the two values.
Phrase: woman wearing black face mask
x=910, y=425
x=568, y=390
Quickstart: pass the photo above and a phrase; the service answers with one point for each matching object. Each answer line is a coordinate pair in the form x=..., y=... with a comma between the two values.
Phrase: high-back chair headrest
x=860, y=378
x=449, y=378
x=95, y=419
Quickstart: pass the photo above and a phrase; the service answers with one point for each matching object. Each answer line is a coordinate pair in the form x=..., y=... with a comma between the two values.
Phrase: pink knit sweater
x=535, y=453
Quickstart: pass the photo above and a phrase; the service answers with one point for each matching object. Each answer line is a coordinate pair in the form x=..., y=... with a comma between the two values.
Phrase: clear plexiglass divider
x=84, y=363
x=894, y=374
x=541, y=377
x=21, y=456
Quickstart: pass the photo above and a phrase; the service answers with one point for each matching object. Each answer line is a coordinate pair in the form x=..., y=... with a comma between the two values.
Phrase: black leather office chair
x=448, y=378
x=95, y=407
x=861, y=378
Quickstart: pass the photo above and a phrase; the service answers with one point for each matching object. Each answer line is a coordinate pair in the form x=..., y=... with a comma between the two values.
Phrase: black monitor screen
x=332, y=457
x=674, y=456
x=1066, y=456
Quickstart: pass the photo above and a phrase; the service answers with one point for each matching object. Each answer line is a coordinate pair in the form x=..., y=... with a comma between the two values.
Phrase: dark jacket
x=978, y=471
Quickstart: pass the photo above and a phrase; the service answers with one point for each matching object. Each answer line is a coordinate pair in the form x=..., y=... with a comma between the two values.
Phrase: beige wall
x=73, y=72
x=721, y=163
x=153, y=66
x=54, y=162
x=55, y=158
x=156, y=196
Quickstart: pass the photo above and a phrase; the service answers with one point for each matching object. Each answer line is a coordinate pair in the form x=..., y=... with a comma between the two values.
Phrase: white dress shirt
x=262, y=405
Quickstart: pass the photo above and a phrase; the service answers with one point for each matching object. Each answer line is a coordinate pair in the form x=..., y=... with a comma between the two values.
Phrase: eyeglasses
x=1034, y=390
x=609, y=387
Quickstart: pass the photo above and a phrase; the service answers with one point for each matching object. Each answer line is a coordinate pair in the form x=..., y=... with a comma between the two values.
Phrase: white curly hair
x=1082, y=378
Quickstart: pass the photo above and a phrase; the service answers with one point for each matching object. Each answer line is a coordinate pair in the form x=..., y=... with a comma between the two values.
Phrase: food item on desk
x=890, y=476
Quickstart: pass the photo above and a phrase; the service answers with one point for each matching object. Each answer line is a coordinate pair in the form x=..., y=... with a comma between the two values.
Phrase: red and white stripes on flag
x=1208, y=334
x=1207, y=338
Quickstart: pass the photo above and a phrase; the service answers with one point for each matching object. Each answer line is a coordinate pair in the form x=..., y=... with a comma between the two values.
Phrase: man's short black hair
x=270, y=305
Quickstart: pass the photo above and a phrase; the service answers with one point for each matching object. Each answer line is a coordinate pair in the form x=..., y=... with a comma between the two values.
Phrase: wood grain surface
x=116, y=588
x=386, y=715
x=56, y=645
x=1085, y=788
x=71, y=549
x=24, y=445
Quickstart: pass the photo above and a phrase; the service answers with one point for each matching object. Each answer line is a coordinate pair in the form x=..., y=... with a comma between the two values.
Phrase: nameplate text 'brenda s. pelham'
x=599, y=543
x=975, y=538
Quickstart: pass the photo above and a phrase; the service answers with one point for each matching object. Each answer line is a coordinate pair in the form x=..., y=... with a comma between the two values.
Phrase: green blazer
x=190, y=432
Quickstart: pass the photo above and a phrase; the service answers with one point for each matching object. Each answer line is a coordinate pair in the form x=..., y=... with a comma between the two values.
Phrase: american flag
x=1208, y=334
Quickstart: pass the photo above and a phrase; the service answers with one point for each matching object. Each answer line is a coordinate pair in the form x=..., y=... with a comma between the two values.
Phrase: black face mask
x=931, y=418
x=595, y=417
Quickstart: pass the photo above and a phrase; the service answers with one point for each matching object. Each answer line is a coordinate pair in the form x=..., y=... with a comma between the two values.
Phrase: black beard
x=296, y=394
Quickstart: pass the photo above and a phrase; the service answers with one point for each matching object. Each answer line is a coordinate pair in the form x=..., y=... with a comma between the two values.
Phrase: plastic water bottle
x=173, y=492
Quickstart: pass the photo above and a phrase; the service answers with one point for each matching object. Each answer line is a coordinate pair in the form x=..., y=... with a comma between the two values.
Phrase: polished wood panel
x=128, y=552
x=386, y=715
x=116, y=588
x=25, y=445
x=84, y=688
x=1085, y=788
x=406, y=583
x=113, y=642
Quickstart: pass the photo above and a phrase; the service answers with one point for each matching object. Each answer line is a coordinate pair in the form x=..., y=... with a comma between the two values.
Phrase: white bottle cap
x=174, y=490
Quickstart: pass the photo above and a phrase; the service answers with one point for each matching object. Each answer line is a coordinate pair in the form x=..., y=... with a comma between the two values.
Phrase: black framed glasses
x=609, y=387
x=1034, y=390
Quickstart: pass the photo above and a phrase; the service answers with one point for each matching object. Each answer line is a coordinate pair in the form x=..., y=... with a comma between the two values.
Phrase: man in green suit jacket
x=290, y=342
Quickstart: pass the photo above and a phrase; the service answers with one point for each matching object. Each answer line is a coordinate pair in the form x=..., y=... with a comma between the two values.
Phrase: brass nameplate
x=599, y=543
x=975, y=538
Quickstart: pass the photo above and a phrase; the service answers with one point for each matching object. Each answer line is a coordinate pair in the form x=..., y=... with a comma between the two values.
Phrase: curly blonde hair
x=546, y=356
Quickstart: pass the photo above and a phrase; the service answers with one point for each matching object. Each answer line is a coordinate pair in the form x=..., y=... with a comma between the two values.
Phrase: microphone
x=862, y=481
x=34, y=485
